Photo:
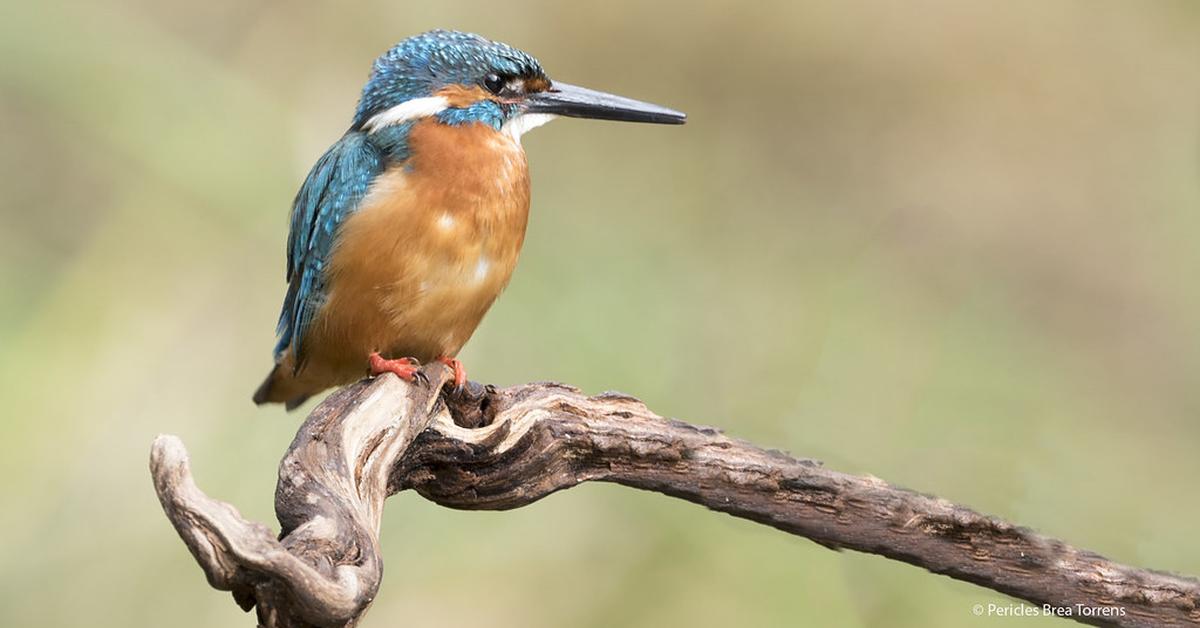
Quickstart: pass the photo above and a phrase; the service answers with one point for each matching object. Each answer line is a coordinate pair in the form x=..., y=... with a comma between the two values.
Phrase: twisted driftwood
x=484, y=448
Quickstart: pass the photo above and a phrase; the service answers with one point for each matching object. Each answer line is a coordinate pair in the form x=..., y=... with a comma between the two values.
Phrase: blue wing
x=333, y=190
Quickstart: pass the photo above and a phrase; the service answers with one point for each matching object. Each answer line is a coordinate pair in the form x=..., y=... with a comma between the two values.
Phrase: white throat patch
x=524, y=123
x=407, y=110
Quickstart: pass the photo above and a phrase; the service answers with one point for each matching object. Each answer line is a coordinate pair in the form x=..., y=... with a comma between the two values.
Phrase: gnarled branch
x=487, y=448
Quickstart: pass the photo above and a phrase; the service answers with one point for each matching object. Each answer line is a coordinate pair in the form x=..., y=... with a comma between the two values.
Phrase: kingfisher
x=409, y=227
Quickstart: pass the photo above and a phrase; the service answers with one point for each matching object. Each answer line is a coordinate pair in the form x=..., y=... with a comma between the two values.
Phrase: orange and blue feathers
x=407, y=229
x=334, y=188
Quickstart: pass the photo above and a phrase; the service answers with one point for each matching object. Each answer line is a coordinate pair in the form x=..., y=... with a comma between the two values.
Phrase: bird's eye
x=494, y=83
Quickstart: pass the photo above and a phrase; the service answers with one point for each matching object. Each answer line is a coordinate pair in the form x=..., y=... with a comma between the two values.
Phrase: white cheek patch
x=524, y=123
x=407, y=110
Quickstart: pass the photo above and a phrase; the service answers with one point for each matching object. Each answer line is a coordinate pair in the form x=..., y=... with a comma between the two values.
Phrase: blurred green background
x=952, y=244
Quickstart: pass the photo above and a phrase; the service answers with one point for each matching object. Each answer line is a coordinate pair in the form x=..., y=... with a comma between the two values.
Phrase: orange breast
x=432, y=246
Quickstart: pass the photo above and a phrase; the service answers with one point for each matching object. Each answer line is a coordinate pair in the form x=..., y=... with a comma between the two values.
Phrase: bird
x=409, y=227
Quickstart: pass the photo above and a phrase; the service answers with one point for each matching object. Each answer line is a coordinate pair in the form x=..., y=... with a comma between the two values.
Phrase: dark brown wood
x=496, y=449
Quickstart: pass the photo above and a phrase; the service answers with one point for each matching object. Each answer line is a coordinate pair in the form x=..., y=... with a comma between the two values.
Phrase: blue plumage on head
x=422, y=64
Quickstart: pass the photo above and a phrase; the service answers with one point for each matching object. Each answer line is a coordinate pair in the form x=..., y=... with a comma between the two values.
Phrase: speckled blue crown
x=422, y=64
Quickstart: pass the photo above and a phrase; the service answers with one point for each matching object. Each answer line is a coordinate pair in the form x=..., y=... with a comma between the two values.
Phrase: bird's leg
x=405, y=368
x=460, y=373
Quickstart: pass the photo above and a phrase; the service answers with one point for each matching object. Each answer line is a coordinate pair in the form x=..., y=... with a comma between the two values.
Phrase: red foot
x=460, y=373
x=406, y=368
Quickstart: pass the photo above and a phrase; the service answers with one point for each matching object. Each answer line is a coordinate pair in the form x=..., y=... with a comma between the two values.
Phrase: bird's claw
x=406, y=369
x=460, y=373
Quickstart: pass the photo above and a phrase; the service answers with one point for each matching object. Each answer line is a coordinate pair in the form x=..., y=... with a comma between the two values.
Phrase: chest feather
x=438, y=236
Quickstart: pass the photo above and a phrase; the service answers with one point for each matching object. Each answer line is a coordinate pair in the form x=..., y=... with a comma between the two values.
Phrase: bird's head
x=461, y=78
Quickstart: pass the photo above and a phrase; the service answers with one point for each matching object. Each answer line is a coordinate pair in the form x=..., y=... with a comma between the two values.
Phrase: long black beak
x=564, y=99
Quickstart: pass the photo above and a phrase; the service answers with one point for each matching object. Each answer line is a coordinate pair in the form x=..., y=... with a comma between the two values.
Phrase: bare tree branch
x=484, y=448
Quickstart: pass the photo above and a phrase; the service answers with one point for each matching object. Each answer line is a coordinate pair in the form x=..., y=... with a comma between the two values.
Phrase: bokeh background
x=949, y=243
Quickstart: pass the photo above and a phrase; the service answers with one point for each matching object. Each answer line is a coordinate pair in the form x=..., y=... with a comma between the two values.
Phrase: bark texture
x=496, y=449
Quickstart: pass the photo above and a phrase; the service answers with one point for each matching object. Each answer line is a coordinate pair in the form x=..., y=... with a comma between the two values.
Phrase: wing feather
x=333, y=190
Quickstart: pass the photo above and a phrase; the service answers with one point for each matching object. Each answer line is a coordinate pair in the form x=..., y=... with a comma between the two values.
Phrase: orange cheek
x=459, y=96
x=536, y=84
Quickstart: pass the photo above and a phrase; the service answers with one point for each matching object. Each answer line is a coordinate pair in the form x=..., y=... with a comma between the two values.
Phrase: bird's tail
x=282, y=386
